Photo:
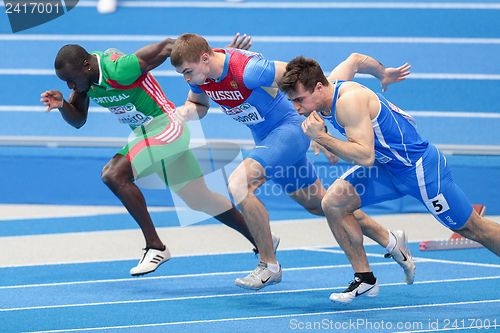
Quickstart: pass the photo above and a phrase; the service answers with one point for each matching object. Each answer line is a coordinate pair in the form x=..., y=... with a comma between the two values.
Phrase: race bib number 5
x=245, y=114
x=439, y=204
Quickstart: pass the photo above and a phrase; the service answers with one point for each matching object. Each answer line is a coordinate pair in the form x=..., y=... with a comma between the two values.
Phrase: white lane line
x=260, y=39
x=462, y=263
x=110, y=142
x=215, y=110
x=451, y=76
x=243, y=294
x=341, y=312
x=452, y=114
x=41, y=108
x=27, y=71
x=300, y=5
x=51, y=72
x=440, y=76
x=420, y=259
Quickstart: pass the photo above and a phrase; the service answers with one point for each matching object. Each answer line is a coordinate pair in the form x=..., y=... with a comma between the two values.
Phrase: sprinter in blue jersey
x=244, y=84
x=391, y=158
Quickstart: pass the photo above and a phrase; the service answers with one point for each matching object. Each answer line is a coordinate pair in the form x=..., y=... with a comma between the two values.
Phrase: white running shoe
x=276, y=243
x=402, y=255
x=355, y=289
x=259, y=278
x=150, y=261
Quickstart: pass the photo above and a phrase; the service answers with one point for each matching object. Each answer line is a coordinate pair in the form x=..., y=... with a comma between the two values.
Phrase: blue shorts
x=282, y=154
x=429, y=181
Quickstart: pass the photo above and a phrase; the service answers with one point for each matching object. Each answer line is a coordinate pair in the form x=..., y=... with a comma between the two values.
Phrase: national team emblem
x=233, y=84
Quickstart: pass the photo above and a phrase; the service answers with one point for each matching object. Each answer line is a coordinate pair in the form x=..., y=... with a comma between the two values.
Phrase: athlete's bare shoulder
x=355, y=99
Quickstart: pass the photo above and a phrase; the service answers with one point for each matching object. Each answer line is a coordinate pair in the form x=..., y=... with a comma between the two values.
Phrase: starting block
x=456, y=240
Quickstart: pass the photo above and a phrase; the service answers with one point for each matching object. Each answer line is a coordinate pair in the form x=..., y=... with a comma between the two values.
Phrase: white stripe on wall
x=301, y=5
x=418, y=114
x=172, y=73
x=259, y=39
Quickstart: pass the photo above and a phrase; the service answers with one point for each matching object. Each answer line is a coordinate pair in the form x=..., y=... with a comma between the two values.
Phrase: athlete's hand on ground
x=393, y=75
x=53, y=99
x=244, y=42
x=319, y=148
x=313, y=125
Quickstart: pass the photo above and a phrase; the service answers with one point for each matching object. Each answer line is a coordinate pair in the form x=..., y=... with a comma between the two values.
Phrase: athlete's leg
x=290, y=168
x=199, y=197
x=371, y=228
x=375, y=186
x=339, y=204
x=302, y=184
x=482, y=230
x=243, y=183
x=361, y=185
x=435, y=188
x=118, y=176
x=310, y=197
x=394, y=241
x=358, y=186
x=281, y=157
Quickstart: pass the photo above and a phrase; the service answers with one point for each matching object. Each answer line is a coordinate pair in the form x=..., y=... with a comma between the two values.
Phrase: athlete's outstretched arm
x=74, y=111
x=153, y=55
x=354, y=109
x=195, y=107
x=363, y=64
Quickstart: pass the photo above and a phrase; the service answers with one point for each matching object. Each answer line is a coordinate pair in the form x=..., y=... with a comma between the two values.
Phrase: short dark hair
x=304, y=70
x=189, y=48
x=70, y=55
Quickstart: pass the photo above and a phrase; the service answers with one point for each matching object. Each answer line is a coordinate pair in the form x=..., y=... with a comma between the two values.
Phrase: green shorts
x=162, y=147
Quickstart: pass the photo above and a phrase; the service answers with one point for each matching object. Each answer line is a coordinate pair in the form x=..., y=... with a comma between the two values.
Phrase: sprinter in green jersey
x=160, y=144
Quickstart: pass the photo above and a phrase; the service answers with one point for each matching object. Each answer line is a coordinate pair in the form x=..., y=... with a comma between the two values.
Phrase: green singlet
x=158, y=144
